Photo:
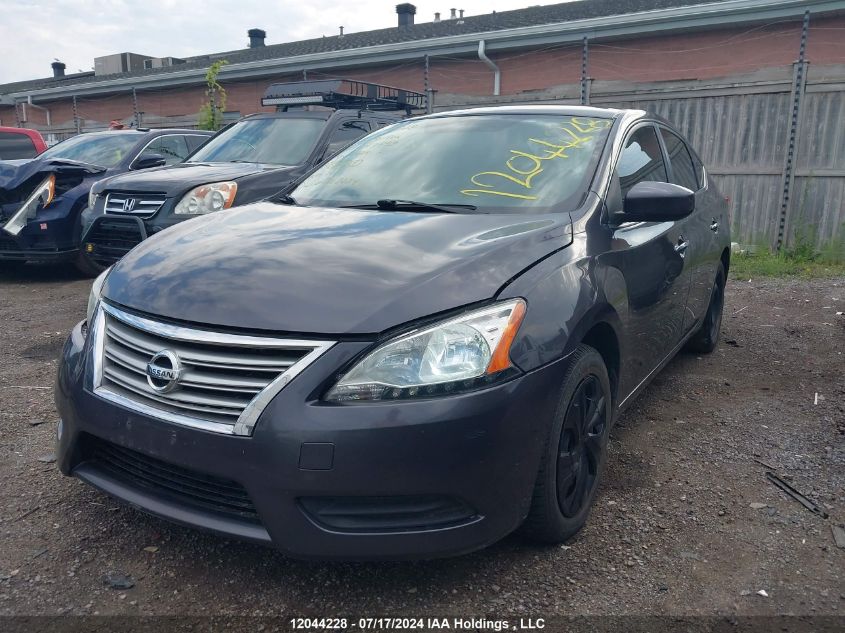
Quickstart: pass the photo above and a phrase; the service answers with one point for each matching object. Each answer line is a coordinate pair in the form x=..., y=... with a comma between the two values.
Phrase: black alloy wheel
x=580, y=448
x=574, y=454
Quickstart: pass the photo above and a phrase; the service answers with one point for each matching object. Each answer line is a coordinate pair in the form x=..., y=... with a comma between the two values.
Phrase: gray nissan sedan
x=417, y=350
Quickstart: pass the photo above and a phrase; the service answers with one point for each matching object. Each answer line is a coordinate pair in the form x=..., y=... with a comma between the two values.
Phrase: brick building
x=531, y=53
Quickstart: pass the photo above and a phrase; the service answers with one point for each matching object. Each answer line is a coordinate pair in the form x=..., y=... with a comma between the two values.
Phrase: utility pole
x=429, y=106
x=799, y=83
x=585, y=81
x=135, y=111
x=76, y=122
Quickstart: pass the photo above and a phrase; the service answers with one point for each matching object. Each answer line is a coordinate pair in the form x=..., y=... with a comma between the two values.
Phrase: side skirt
x=645, y=381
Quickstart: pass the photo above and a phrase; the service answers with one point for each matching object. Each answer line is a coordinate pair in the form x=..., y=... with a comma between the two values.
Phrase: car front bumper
x=49, y=240
x=107, y=237
x=411, y=479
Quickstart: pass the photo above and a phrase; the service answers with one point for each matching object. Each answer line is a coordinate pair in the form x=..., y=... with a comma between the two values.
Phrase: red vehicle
x=20, y=143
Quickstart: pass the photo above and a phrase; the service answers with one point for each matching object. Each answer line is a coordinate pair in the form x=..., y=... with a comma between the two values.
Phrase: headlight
x=94, y=297
x=42, y=195
x=92, y=199
x=456, y=355
x=207, y=198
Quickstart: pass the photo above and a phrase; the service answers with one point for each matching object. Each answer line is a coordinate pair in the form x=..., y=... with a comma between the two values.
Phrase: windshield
x=105, y=150
x=499, y=163
x=274, y=141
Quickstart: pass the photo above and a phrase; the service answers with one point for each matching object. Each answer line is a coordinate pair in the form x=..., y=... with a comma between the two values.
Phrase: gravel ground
x=685, y=524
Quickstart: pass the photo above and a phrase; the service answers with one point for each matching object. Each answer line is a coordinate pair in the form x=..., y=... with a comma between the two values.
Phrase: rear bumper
x=413, y=479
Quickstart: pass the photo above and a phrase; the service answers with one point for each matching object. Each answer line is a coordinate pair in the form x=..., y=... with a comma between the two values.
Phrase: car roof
x=321, y=114
x=20, y=130
x=567, y=110
x=177, y=130
x=149, y=132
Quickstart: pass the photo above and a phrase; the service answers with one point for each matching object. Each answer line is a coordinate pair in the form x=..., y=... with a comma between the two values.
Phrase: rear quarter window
x=195, y=140
x=16, y=146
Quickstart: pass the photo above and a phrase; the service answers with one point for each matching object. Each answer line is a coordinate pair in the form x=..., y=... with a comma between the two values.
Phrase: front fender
x=566, y=295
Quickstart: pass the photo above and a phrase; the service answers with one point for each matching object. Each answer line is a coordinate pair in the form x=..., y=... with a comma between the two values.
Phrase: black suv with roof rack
x=248, y=161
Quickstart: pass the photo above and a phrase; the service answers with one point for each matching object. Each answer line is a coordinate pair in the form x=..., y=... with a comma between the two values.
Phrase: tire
x=11, y=265
x=575, y=452
x=87, y=266
x=706, y=339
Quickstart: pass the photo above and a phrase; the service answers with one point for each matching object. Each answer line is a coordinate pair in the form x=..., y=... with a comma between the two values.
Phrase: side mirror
x=147, y=160
x=657, y=202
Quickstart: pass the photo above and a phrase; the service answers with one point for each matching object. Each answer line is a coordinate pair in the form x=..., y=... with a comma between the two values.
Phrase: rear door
x=651, y=256
x=173, y=147
x=195, y=141
x=703, y=249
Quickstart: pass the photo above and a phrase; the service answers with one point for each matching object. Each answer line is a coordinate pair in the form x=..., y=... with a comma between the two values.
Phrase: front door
x=652, y=258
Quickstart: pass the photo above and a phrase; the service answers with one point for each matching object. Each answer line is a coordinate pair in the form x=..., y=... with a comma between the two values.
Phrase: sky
x=34, y=33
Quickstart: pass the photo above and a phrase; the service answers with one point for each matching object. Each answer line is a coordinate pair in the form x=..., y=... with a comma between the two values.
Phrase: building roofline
x=701, y=16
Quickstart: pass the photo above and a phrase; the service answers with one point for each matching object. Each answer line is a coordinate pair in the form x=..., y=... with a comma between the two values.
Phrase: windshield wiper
x=412, y=205
x=283, y=199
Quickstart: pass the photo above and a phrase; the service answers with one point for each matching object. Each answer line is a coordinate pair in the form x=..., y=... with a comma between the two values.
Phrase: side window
x=16, y=146
x=641, y=160
x=173, y=147
x=683, y=170
x=195, y=140
x=346, y=134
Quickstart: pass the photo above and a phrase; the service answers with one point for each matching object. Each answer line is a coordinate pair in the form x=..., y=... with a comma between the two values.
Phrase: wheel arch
x=600, y=330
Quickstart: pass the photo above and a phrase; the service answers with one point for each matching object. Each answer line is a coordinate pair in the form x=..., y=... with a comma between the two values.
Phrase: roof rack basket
x=342, y=93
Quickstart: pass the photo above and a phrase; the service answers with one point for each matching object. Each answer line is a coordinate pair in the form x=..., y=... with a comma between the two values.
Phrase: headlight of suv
x=462, y=353
x=92, y=198
x=207, y=198
x=96, y=290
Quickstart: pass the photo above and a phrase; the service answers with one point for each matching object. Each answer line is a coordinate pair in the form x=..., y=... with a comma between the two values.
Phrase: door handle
x=681, y=246
x=714, y=226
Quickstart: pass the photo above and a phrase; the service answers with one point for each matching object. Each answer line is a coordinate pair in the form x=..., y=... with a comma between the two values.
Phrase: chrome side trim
x=245, y=424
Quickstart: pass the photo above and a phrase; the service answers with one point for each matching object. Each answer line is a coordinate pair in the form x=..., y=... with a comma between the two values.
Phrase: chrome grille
x=223, y=381
x=144, y=205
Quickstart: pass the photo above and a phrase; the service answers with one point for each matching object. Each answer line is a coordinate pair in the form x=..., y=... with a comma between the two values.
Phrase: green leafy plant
x=211, y=112
x=801, y=259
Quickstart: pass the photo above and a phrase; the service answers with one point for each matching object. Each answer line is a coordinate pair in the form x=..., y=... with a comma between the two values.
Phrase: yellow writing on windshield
x=523, y=166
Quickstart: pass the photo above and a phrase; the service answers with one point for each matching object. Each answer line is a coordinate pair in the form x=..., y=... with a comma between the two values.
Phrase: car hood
x=15, y=173
x=328, y=271
x=176, y=179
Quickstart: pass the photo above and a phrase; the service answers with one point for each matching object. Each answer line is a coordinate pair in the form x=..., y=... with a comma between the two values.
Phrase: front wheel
x=87, y=266
x=11, y=265
x=574, y=457
x=706, y=338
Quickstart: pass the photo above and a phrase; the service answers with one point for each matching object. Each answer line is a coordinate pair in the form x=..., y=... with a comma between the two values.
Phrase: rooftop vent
x=58, y=69
x=256, y=37
x=406, y=12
